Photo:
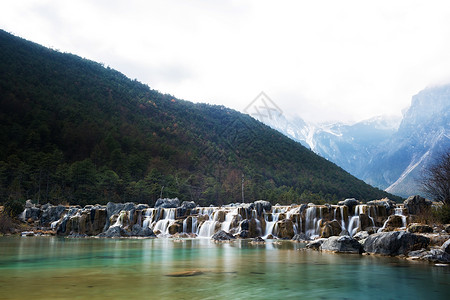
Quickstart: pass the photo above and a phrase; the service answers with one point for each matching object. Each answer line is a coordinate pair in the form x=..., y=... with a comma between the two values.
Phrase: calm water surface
x=58, y=268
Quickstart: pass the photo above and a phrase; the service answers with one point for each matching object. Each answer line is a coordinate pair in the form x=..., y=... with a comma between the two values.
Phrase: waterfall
x=399, y=212
x=270, y=224
x=168, y=219
x=228, y=219
x=310, y=222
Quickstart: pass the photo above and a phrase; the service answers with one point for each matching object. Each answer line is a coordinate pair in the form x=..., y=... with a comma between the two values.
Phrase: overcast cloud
x=321, y=60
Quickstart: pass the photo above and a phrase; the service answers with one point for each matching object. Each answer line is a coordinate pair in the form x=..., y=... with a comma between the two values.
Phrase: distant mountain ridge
x=386, y=152
x=76, y=132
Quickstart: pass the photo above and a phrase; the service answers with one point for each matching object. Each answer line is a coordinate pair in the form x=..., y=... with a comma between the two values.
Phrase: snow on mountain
x=386, y=151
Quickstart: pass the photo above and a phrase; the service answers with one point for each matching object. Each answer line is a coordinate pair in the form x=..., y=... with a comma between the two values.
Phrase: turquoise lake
x=63, y=268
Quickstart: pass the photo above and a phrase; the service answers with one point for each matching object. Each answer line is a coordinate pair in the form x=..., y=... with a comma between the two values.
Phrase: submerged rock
x=394, y=243
x=315, y=245
x=222, y=235
x=342, y=244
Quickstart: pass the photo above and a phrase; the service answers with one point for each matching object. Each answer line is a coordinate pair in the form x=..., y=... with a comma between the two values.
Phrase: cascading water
x=168, y=219
x=399, y=212
x=270, y=224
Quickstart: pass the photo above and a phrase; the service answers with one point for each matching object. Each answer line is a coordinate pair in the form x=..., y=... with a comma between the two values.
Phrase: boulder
x=284, y=229
x=139, y=231
x=446, y=247
x=361, y=235
x=433, y=255
x=185, y=207
x=315, y=245
x=30, y=214
x=262, y=206
x=51, y=214
x=243, y=234
x=175, y=227
x=114, y=232
x=258, y=240
x=394, y=243
x=417, y=205
x=342, y=244
x=350, y=203
x=222, y=235
x=330, y=228
x=420, y=228
x=167, y=203
x=299, y=237
x=393, y=222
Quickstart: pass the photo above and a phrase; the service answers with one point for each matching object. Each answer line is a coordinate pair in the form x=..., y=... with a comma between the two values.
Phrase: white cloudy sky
x=321, y=60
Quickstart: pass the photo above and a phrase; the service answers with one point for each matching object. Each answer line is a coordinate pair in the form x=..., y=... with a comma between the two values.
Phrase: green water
x=58, y=268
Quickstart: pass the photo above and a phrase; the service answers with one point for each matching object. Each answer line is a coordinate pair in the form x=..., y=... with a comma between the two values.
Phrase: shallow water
x=61, y=268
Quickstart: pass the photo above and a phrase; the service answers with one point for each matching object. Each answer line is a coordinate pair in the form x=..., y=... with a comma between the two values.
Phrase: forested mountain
x=75, y=131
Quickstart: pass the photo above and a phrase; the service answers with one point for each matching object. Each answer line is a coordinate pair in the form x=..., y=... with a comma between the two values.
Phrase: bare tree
x=436, y=180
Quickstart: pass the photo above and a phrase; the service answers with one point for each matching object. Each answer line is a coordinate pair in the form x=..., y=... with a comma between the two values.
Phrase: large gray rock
x=417, y=205
x=395, y=243
x=32, y=213
x=433, y=255
x=387, y=203
x=262, y=206
x=446, y=247
x=315, y=245
x=51, y=214
x=114, y=232
x=342, y=244
x=222, y=235
x=350, y=203
x=300, y=237
x=167, y=203
x=140, y=231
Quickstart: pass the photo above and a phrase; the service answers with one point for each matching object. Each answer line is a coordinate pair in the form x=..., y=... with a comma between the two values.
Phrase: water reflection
x=198, y=268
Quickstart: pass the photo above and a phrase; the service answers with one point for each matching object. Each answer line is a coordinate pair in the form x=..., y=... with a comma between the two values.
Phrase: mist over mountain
x=76, y=132
x=388, y=152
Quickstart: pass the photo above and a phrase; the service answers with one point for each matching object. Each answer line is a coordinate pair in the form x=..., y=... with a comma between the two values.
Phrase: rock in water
x=395, y=243
x=222, y=235
x=315, y=245
x=114, y=232
x=342, y=244
x=139, y=231
x=300, y=237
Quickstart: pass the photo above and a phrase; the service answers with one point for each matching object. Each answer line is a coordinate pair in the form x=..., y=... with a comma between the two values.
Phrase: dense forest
x=74, y=131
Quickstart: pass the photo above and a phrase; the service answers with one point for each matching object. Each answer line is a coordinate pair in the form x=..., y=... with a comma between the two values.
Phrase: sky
x=320, y=60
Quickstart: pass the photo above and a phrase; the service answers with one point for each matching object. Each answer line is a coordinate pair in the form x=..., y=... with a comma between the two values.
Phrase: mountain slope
x=73, y=130
x=423, y=135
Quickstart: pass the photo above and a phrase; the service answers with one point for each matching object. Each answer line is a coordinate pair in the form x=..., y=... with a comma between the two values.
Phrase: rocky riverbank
x=376, y=227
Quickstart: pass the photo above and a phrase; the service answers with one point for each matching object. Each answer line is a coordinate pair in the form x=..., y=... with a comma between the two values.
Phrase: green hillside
x=74, y=131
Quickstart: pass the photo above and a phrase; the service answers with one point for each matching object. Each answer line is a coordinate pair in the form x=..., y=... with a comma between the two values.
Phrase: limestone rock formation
x=342, y=244
x=394, y=243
